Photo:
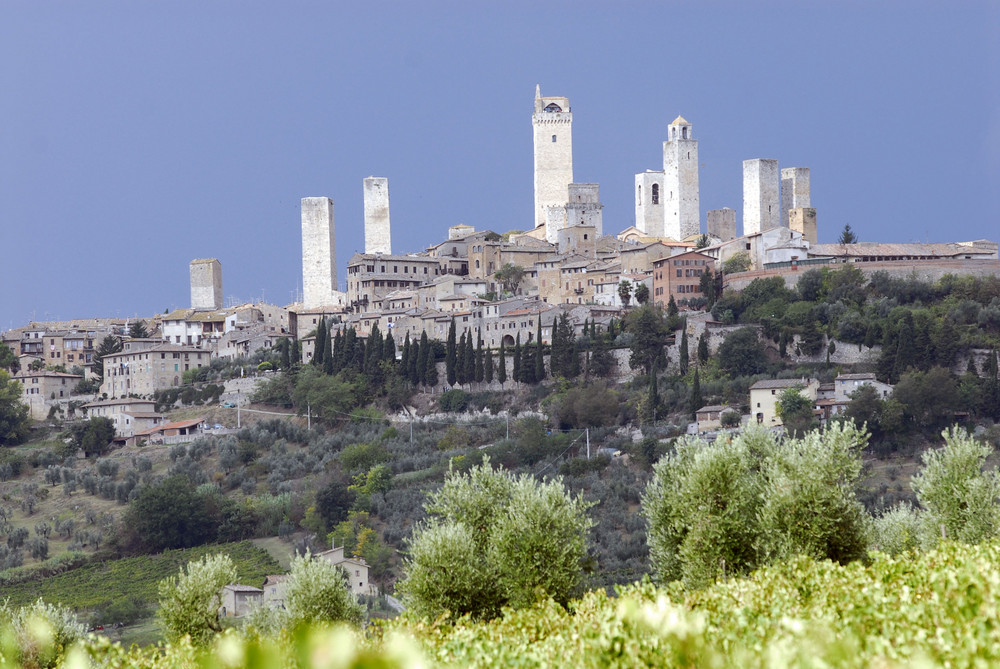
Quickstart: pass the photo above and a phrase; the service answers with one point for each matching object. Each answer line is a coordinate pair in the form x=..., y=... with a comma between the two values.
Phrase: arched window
x=684, y=134
x=638, y=196
x=553, y=139
x=656, y=193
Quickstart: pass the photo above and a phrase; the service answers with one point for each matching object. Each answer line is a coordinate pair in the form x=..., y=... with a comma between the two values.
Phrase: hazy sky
x=136, y=136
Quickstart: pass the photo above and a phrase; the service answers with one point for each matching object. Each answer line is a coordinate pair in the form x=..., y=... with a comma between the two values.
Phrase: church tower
x=553, y=139
x=681, y=206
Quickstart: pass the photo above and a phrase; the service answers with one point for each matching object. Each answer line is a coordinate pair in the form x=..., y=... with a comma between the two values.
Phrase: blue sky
x=136, y=136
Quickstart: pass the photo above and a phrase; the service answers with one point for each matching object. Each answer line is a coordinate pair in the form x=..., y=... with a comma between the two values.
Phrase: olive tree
x=494, y=539
x=190, y=601
x=734, y=505
x=959, y=499
x=318, y=591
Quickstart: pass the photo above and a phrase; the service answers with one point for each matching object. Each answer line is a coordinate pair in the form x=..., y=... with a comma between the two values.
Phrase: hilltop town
x=500, y=285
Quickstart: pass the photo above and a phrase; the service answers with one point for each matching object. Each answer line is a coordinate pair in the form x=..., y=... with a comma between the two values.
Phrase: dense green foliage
x=190, y=601
x=734, y=505
x=13, y=412
x=495, y=540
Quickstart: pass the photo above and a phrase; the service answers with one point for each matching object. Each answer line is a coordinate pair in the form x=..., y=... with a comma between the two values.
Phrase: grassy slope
x=93, y=585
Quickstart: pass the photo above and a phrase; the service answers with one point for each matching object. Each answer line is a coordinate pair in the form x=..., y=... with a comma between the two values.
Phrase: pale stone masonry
x=803, y=220
x=378, y=238
x=552, y=123
x=794, y=191
x=146, y=365
x=648, y=203
x=721, y=223
x=760, y=195
x=44, y=389
x=319, y=252
x=681, y=199
x=206, y=284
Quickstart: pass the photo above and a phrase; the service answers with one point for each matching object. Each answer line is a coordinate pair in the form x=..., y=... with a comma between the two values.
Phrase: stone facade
x=552, y=123
x=378, y=238
x=649, y=203
x=760, y=195
x=206, y=284
x=681, y=204
x=319, y=253
x=44, y=389
x=794, y=191
x=680, y=276
x=721, y=223
x=803, y=221
x=145, y=366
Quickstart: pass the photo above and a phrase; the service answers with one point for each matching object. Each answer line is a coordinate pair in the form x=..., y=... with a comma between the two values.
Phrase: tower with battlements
x=552, y=123
x=794, y=191
x=681, y=205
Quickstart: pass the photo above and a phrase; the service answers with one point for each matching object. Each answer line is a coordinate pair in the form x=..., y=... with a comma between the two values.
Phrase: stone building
x=206, y=284
x=648, y=203
x=764, y=397
x=145, y=366
x=760, y=195
x=378, y=238
x=44, y=389
x=680, y=276
x=552, y=124
x=370, y=277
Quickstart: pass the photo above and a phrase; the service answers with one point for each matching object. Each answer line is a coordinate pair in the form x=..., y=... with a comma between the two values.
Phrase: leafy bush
x=190, y=601
x=318, y=592
x=453, y=401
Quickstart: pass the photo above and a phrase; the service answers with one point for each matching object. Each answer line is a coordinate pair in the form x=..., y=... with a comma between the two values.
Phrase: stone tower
x=206, y=284
x=803, y=219
x=760, y=195
x=794, y=191
x=681, y=206
x=377, y=234
x=319, y=252
x=649, y=203
x=553, y=139
x=721, y=223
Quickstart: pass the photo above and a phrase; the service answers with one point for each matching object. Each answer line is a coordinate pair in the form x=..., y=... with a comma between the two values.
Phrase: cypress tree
x=696, y=401
x=338, y=351
x=887, y=357
x=502, y=364
x=411, y=368
x=905, y=347
x=480, y=371
x=350, y=349
x=373, y=351
x=404, y=361
x=517, y=358
x=319, y=351
x=296, y=352
x=423, y=351
x=389, y=348
x=684, y=352
x=432, y=372
x=451, y=355
x=488, y=366
x=654, y=392
x=703, y=348
x=945, y=343
x=469, y=359
x=539, y=360
x=286, y=357
x=672, y=307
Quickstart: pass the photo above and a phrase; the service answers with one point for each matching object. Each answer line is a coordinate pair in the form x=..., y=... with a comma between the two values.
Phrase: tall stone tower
x=649, y=203
x=803, y=219
x=553, y=138
x=794, y=191
x=206, y=284
x=377, y=234
x=681, y=205
x=319, y=252
x=760, y=195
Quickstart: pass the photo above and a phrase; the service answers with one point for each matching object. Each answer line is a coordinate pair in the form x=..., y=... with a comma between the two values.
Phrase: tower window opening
x=553, y=139
x=656, y=193
x=639, y=195
x=684, y=134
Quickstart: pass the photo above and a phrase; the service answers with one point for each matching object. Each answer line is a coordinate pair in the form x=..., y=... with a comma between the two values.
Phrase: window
x=684, y=134
x=656, y=193
x=553, y=139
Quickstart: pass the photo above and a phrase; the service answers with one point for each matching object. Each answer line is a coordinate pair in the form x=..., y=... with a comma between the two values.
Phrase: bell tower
x=552, y=123
x=681, y=205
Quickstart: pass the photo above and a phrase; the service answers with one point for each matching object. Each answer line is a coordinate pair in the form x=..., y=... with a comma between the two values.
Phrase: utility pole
x=411, y=430
x=238, y=422
x=308, y=416
x=508, y=426
x=588, y=442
